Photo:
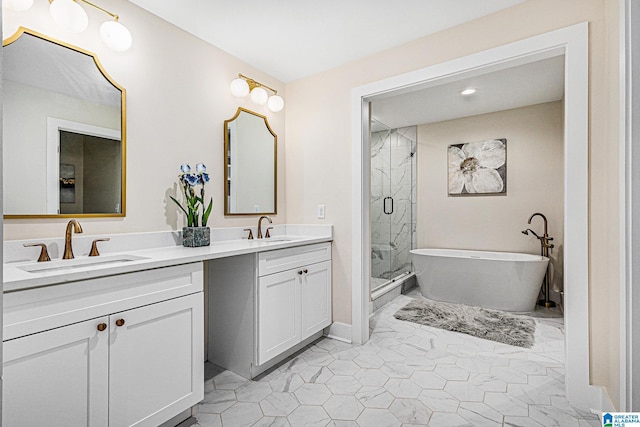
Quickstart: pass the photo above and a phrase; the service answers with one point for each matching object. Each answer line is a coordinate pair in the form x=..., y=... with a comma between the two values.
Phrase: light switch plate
x=320, y=211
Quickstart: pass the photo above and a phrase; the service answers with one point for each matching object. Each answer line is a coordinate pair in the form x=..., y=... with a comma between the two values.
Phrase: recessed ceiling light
x=468, y=92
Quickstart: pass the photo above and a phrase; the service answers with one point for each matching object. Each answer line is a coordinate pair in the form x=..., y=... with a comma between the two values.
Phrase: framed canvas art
x=478, y=168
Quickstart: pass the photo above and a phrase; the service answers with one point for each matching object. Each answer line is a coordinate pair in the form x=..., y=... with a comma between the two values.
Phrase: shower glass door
x=392, y=202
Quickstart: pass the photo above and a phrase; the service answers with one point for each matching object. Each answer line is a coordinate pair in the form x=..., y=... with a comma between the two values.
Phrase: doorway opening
x=572, y=44
x=84, y=168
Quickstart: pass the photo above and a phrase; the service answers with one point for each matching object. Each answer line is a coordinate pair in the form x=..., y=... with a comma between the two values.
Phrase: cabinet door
x=315, y=292
x=156, y=361
x=278, y=313
x=57, y=377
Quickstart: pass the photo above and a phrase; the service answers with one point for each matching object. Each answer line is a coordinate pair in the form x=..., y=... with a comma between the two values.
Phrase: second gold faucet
x=260, y=225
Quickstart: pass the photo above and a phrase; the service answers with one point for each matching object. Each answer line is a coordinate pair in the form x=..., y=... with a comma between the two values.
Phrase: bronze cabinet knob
x=305, y=271
x=300, y=272
x=102, y=326
x=119, y=322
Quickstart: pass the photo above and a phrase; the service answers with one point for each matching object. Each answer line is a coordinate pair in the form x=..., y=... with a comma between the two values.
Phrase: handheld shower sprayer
x=528, y=230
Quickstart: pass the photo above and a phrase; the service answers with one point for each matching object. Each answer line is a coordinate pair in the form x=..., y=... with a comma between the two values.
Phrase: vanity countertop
x=145, y=258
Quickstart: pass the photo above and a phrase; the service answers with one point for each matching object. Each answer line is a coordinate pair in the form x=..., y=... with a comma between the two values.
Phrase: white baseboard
x=339, y=331
x=606, y=405
x=592, y=398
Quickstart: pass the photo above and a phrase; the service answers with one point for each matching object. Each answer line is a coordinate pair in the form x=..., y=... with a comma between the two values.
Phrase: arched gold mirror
x=250, y=169
x=63, y=131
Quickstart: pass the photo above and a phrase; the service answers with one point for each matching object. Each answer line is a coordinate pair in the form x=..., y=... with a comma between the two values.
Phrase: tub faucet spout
x=544, y=218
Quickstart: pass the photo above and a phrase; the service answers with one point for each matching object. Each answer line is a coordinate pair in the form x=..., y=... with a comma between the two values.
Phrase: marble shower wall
x=393, y=174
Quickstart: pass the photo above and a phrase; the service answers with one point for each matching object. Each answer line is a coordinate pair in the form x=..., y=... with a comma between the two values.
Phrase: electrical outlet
x=320, y=211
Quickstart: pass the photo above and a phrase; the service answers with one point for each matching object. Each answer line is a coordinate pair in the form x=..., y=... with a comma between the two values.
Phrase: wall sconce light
x=243, y=86
x=69, y=15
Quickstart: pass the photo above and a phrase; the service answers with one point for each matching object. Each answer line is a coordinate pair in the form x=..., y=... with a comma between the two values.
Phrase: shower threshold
x=390, y=289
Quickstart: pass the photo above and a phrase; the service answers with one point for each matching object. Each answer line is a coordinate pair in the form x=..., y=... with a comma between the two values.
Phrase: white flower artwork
x=478, y=167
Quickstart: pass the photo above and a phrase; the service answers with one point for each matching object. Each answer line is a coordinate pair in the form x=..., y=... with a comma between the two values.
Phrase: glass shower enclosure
x=393, y=207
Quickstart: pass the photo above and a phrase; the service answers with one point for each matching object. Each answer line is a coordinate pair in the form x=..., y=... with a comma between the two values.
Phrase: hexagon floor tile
x=407, y=374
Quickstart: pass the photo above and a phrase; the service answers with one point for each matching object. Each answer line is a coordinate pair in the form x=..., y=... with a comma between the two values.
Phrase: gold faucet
x=260, y=225
x=68, y=250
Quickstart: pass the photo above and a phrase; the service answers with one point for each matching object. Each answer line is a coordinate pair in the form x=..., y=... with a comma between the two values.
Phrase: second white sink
x=72, y=264
x=276, y=239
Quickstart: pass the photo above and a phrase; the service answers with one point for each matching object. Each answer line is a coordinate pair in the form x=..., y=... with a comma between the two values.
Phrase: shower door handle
x=385, y=210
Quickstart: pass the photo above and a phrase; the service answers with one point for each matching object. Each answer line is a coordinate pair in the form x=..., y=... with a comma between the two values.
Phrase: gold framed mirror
x=64, y=131
x=250, y=165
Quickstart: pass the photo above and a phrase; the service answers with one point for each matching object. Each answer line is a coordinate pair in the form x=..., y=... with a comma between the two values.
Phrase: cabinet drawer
x=285, y=259
x=35, y=310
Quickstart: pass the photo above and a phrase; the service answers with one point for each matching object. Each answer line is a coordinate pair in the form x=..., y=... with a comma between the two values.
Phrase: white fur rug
x=495, y=325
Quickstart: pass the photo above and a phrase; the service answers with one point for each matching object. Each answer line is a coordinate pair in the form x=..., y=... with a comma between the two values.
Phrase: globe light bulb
x=116, y=36
x=275, y=103
x=69, y=15
x=18, y=5
x=239, y=87
x=259, y=95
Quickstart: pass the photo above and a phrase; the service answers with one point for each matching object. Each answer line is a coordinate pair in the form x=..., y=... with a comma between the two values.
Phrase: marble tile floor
x=406, y=375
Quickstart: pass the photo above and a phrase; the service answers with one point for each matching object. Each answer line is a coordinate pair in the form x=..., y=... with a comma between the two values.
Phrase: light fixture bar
x=113, y=15
x=243, y=86
x=251, y=82
x=95, y=6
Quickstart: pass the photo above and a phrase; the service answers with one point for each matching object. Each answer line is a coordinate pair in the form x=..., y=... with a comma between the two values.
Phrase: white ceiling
x=517, y=86
x=293, y=39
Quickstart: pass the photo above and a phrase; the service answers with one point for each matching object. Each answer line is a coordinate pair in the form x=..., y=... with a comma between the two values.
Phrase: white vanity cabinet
x=294, y=297
x=152, y=361
x=264, y=307
x=57, y=377
x=124, y=350
x=279, y=314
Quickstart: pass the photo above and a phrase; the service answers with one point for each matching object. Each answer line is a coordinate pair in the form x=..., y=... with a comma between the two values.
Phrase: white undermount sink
x=277, y=239
x=76, y=263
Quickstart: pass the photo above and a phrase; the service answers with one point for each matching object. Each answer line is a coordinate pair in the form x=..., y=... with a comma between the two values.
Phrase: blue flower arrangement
x=194, y=199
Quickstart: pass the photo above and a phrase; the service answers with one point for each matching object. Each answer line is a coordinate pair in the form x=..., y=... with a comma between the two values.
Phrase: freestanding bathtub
x=499, y=280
